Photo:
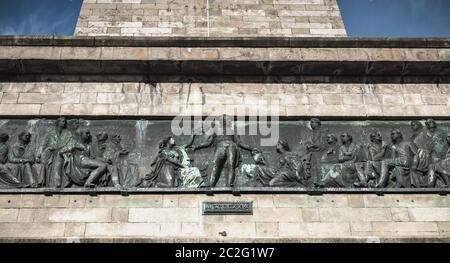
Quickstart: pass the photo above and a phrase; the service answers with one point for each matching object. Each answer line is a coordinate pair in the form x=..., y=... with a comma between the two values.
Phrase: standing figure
x=7, y=179
x=128, y=172
x=27, y=166
x=403, y=161
x=316, y=148
x=56, y=146
x=440, y=169
x=165, y=167
x=226, y=155
x=377, y=150
x=417, y=132
x=293, y=169
x=101, y=152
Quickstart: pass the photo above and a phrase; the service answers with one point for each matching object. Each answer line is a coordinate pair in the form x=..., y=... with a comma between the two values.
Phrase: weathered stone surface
x=163, y=214
x=73, y=215
x=30, y=230
x=188, y=18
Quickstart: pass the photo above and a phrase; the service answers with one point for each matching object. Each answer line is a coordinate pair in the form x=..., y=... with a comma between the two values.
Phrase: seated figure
x=348, y=170
x=82, y=168
x=397, y=170
x=377, y=150
x=7, y=178
x=27, y=167
x=293, y=170
x=440, y=169
x=259, y=173
x=166, y=166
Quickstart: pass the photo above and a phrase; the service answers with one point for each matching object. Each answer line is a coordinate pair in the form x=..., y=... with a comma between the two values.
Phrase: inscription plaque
x=227, y=208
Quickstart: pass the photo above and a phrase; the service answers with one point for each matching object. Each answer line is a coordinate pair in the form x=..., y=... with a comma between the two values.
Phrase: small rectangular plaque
x=227, y=208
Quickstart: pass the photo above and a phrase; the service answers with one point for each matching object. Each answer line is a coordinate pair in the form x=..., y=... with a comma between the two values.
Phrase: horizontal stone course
x=276, y=216
x=225, y=53
x=168, y=99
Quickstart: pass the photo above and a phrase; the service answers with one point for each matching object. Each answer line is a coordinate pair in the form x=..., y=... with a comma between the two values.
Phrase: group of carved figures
x=69, y=159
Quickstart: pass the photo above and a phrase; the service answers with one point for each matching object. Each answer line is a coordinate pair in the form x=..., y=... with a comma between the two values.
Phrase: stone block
x=356, y=201
x=10, y=97
x=400, y=214
x=88, y=98
x=191, y=229
x=33, y=201
x=188, y=201
x=73, y=215
x=354, y=214
x=40, y=98
x=26, y=215
x=122, y=229
x=413, y=99
x=8, y=215
x=50, y=109
x=117, y=98
x=352, y=99
x=126, y=201
x=80, y=53
x=403, y=228
x=36, y=52
x=430, y=214
x=171, y=229
x=88, y=87
x=74, y=229
x=119, y=214
x=292, y=230
x=57, y=201
x=170, y=201
x=310, y=215
x=199, y=53
x=232, y=230
x=90, y=109
x=31, y=230
x=328, y=229
x=267, y=229
x=164, y=214
x=9, y=201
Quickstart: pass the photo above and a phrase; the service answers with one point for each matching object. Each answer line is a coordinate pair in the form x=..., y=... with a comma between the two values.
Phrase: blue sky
x=362, y=18
x=396, y=18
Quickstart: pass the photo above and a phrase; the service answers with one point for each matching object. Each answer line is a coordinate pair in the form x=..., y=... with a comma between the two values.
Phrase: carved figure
x=27, y=167
x=7, y=179
x=56, y=146
x=226, y=155
x=403, y=161
x=81, y=166
x=349, y=168
x=166, y=165
x=293, y=169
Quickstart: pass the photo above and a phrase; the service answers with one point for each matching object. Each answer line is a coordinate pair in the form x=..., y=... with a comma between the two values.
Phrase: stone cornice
x=292, y=42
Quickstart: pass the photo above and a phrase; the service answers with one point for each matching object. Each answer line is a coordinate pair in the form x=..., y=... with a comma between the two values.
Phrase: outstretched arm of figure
x=207, y=143
x=243, y=145
x=191, y=141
